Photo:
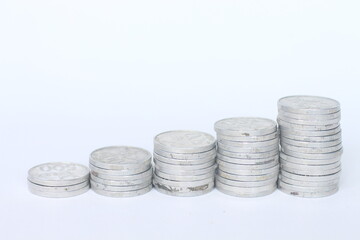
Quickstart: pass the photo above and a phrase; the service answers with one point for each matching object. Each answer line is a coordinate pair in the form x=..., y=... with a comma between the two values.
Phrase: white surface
x=79, y=75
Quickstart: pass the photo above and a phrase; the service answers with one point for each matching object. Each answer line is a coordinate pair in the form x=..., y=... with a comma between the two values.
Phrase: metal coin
x=119, y=188
x=226, y=165
x=315, y=122
x=57, y=189
x=248, y=178
x=58, y=174
x=250, y=172
x=267, y=137
x=309, y=161
x=318, y=156
x=259, y=149
x=246, y=160
x=180, y=172
x=310, y=143
x=308, y=105
x=175, y=167
x=312, y=138
x=310, y=117
x=299, y=127
x=121, y=183
x=182, y=183
x=309, y=194
x=184, y=161
x=120, y=158
x=64, y=194
x=307, y=172
x=310, y=167
x=310, y=178
x=306, y=189
x=245, y=126
x=308, y=183
x=186, y=156
x=245, y=192
x=184, y=178
x=119, y=172
x=285, y=131
x=248, y=155
x=310, y=149
x=123, y=194
x=245, y=183
x=142, y=175
x=184, y=141
x=244, y=144
x=184, y=191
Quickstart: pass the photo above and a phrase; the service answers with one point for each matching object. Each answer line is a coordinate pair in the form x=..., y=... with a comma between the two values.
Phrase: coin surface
x=309, y=105
x=118, y=194
x=64, y=194
x=58, y=174
x=57, y=189
x=185, y=191
x=245, y=191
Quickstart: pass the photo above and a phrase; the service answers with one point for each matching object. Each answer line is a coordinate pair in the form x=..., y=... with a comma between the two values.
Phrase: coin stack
x=311, y=145
x=248, y=156
x=184, y=163
x=58, y=179
x=121, y=171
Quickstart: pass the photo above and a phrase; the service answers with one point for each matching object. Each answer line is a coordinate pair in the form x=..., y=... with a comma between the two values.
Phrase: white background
x=78, y=75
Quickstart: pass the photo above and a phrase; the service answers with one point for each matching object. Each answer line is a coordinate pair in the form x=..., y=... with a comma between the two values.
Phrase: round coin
x=310, y=143
x=310, y=117
x=288, y=158
x=267, y=137
x=248, y=155
x=255, y=149
x=317, y=156
x=184, y=191
x=121, y=183
x=103, y=171
x=244, y=144
x=122, y=194
x=245, y=191
x=250, y=172
x=185, y=162
x=308, y=183
x=187, y=156
x=245, y=183
x=58, y=189
x=246, y=160
x=119, y=188
x=64, y=194
x=308, y=194
x=142, y=175
x=248, y=178
x=226, y=165
x=310, y=149
x=310, y=178
x=290, y=132
x=308, y=105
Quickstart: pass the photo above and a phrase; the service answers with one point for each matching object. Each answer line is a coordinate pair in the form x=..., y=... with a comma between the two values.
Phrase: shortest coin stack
x=184, y=163
x=58, y=179
x=121, y=171
x=248, y=156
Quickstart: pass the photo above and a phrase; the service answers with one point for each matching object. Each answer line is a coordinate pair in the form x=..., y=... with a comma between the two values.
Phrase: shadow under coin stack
x=248, y=156
x=311, y=146
x=184, y=163
x=58, y=179
x=121, y=171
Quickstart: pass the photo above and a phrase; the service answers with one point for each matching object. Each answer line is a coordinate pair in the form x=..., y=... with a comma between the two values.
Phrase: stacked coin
x=248, y=156
x=311, y=145
x=121, y=171
x=58, y=179
x=184, y=163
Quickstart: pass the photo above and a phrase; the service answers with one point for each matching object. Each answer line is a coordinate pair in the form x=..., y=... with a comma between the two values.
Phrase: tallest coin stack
x=311, y=148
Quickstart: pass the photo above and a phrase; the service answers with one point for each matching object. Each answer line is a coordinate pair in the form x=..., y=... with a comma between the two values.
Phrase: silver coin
x=289, y=132
x=123, y=194
x=226, y=165
x=307, y=172
x=185, y=178
x=250, y=172
x=142, y=175
x=182, y=183
x=120, y=158
x=175, y=167
x=248, y=155
x=119, y=188
x=229, y=182
x=317, y=156
x=312, y=138
x=187, y=172
x=57, y=189
x=121, y=183
x=309, y=161
x=245, y=191
x=309, y=149
x=310, y=178
x=306, y=189
x=308, y=105
x=186, y=156
x=304, y=167
x=259, y=149
x=64, y=194
x=299, y=127
x=245, y=126
x=310, y=143
x=310, y=117
x=246, y=160
x=184, y=141
x=315, y=122
x=119, y=172
x=184, y=191
x=58, y=174
x=244, y=144
x=308, y=183
x=271, y=136
x=185, y=162
x=309, y=194
x=248, y=178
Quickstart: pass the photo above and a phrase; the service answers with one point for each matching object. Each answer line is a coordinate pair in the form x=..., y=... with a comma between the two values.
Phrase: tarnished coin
x=186, y=156
x=184, y=141
x=185, y=162
x=308, y=105
x=58, y=174
x=245, y=191
x=246, y=160
x=248, y=155
x=324, y=144
x=245, y=126
x=184, y=178
x=253, y=178
x=117, y=194
x=57, y=189
x=271, y=136
x=185, y=191
x=121, y=182
x=63, y=194
x=229, y=182
x=127, y=188
x=309, y=149
x=141, y=175
x=120, y=158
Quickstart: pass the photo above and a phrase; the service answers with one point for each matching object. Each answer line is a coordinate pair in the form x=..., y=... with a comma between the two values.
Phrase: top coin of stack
x=311, y=145
x=184, y=163
x=121, y=171
x=248, y=152
x=58, y=179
